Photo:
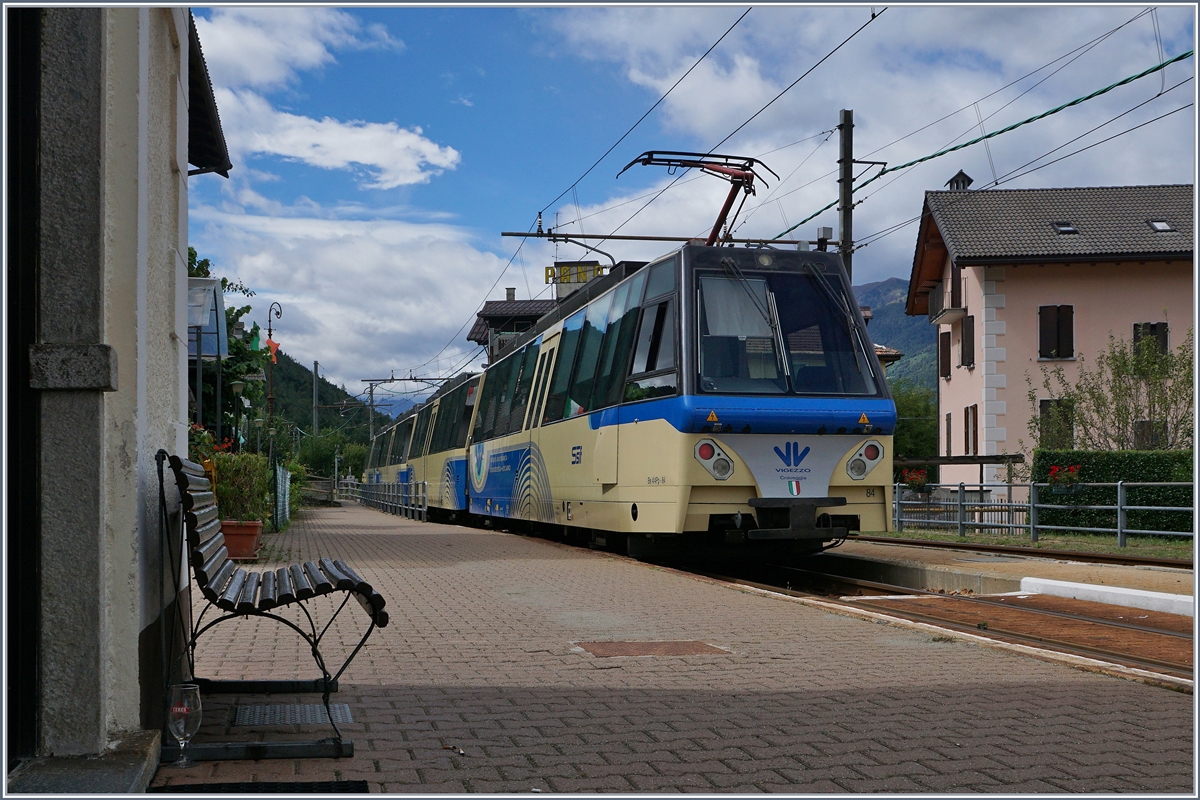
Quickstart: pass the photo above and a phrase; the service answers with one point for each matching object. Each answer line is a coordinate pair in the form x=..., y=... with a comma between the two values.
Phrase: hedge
x=1137, y=466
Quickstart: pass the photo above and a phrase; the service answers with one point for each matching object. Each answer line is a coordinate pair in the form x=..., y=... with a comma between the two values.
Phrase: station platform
x=516, y=664
x=1155, y=588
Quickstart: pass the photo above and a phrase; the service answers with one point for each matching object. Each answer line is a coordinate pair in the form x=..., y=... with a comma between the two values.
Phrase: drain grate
x=610, y=649
x=292, y=714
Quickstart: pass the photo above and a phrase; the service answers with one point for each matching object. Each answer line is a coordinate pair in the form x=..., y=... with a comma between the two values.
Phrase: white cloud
x=267, y=47
x=393, y=156
x=360, y=296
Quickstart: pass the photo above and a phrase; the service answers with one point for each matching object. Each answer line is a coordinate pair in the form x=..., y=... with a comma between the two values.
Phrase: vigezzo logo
x=791, y=455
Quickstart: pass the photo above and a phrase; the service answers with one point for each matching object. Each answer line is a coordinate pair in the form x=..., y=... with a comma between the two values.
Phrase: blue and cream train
x=716, y=395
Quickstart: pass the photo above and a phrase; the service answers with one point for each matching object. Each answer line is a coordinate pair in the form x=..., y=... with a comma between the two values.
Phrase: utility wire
x=656, y=105
x=1014, y=174
x=996, y=133
x=790, y=86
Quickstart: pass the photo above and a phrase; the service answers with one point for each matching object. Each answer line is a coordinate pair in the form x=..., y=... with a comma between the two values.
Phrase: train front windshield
x=779, y=332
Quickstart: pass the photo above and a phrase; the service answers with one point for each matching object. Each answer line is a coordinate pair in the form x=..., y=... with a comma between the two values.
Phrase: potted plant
x=917, y=480
x=1065, y=480
x=242, y=483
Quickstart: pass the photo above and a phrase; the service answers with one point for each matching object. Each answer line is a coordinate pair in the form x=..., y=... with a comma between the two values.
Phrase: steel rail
x=898, y=590
x=1176, y=670
x=1060, y=555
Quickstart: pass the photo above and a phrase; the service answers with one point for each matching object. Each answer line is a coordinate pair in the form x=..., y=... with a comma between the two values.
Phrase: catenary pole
x=846, y=189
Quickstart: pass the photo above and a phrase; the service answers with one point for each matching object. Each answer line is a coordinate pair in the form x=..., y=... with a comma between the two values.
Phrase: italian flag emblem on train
x=793, y=488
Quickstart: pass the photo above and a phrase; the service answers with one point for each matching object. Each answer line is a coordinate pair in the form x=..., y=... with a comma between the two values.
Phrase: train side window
x=516, y=419
x=540, y=394
x=655, y=354
x=464, y=425
x=557, y=401
x=583, y=377
x=498, y=380
x=403, y=436
x=535, y=391
x=449, y=414
x=508, y=393
x=422, y=427
x=608, y=364
x=662, y=279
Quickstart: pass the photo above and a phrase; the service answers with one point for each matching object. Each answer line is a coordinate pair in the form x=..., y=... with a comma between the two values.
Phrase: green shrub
x=243, y=485
x=1131, y=466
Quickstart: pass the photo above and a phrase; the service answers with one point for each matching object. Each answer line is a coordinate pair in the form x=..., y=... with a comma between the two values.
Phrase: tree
x=1136, y=397
x=916, y=420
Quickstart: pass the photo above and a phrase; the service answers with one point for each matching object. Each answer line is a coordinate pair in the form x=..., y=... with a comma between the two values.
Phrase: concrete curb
x=1113, y=595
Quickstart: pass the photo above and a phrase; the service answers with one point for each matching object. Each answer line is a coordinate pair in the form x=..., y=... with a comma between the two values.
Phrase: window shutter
x=1047, y=331
x=968, y=341
x=967, y=431
x=947, y=433
x=944, y=354
x=955, y=286
x=975, y=429
x=1066, y=331
x=1160, y=330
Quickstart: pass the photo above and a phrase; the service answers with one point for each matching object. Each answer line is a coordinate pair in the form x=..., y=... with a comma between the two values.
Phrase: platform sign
x=573, y=272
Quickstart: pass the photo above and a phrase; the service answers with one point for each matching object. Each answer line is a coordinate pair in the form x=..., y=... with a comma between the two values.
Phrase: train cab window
x=419, y=432
x=556, y=402
x=778, y=332
x=738, y=347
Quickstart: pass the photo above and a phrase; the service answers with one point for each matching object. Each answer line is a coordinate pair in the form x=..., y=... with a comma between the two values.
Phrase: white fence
x=1019, y=509
x=409, y=500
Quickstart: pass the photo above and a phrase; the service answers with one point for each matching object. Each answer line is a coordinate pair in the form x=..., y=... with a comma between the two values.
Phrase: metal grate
x=292, y=714
x=610, y=649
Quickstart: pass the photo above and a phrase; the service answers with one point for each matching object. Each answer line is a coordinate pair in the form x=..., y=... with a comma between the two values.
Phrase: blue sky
x=379, y=152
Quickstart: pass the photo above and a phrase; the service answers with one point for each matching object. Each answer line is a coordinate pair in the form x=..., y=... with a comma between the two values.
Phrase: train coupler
x=801, y=517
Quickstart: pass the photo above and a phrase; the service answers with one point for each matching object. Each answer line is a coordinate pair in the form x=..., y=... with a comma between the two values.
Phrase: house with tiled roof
x=499, y=321
x=1020, y=279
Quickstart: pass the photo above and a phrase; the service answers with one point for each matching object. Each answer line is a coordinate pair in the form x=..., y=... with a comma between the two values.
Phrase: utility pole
x=315, y=429
x=846, y=187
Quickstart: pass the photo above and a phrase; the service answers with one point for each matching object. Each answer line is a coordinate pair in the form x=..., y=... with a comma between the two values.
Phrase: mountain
x=293, y=402
x=891, y=327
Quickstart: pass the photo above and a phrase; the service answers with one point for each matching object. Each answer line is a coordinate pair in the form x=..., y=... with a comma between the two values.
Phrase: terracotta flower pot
x=242, y=537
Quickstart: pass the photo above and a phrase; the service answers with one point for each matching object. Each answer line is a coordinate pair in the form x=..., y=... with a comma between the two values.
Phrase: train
x=716, y=397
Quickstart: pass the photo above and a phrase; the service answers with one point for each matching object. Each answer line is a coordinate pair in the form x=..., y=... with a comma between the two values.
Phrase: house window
x=1056, y=425
x=1153, y=330
x=1160, y=225
x=1149, y=434
x=944, y=354
x=971, y=430
x=948, y=429
x=1056, y=332
x=967, y=348
x=1064, y=227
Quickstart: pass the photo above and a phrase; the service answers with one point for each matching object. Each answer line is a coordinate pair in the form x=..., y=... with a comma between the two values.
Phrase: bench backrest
x=209, y=557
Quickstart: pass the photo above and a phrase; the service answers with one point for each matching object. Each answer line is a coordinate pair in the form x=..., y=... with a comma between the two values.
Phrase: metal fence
x=1020, y=508
x=409, y=500
x=283, y=496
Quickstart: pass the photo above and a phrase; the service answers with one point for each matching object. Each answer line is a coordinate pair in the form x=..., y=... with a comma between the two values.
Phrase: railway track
x=1157, y=643
x=1061, y=555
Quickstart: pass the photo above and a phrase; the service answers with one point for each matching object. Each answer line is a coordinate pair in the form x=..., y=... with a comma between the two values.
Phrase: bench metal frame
x=237, y=598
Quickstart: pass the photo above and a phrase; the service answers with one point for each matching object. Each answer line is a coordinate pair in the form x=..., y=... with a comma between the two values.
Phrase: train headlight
x=864, y=460
x=713, y=458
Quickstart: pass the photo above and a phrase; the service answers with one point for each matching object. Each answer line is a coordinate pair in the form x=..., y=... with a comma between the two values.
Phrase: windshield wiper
x=730, y=266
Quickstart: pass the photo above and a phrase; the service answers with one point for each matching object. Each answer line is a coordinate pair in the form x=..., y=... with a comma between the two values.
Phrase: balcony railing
x=939, y=312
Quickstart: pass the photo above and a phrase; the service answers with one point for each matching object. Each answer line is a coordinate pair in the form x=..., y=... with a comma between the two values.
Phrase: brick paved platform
x=481, y=657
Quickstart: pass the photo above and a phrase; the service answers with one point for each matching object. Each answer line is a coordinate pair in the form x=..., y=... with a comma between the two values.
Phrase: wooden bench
x=234, y=592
